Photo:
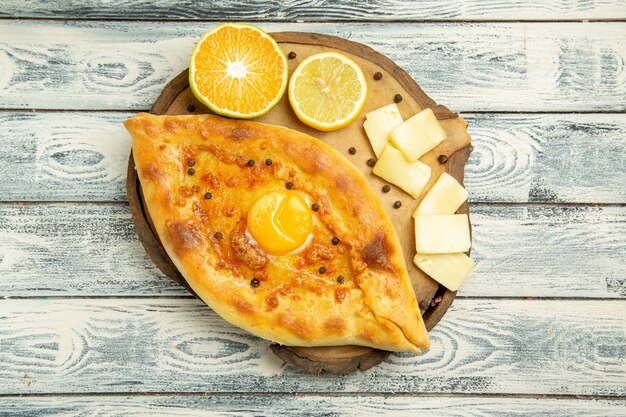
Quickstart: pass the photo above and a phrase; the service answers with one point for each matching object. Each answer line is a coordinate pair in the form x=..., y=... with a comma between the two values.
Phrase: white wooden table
x=89, y=326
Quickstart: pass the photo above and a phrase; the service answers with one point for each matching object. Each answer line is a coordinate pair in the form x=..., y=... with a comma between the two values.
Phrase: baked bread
x=276, y=232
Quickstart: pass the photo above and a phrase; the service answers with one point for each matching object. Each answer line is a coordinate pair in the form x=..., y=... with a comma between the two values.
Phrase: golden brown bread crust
x=294, y=303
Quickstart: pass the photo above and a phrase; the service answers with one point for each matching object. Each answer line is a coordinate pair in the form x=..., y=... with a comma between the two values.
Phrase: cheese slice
x=378, y=125
x=418, y=135
x=445, y=197
x=412, y=177
x=442, y=234
x=448, y=269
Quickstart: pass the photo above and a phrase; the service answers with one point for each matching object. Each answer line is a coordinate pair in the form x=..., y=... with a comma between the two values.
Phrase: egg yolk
x=280, y=222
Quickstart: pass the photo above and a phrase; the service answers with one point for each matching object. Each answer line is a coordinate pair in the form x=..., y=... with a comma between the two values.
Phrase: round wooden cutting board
x=434, y=299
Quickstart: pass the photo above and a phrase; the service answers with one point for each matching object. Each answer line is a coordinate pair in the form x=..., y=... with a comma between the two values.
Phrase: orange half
x=238, y=70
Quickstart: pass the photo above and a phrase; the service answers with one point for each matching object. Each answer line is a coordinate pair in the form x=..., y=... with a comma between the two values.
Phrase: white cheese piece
x=447, y=233
x=448, y=269
x=378, y=125
x=445, y=197
x=418, y=135
x=412, y=177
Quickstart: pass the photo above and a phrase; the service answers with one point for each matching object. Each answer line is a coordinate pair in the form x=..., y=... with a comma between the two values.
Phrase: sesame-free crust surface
x=201, y=174
x=433, y=299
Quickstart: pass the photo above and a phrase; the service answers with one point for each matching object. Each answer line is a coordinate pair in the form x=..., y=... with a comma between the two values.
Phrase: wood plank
x=548, y=246
x=547, y=158
x=517, y=157
x=137, y=345
x=305, y=405
x=63, y=156
x=556, y=251
x=468, y=67
x=381, y=10
x=75, y=250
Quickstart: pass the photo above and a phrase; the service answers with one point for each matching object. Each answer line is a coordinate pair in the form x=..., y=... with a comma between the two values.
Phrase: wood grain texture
x=470, y=67
x=170, y=345
x=517, y=157
x=63, y=156
x=483, y=346
x=534, y=251
x=565, y=251
x=305, y=406
x=547, y=158
x=378, y=10
x=74, y=249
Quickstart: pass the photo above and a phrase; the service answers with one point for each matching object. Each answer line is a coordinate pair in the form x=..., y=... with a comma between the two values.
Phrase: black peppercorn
x=268, y=162
x=371, y=162
x=289, y=185
x=191, y=163
x=352, y=150
x=378, y=75
x=397, y=204
x=292, y=55
x=386, y=188
x=208, y=195
x=251, y=163
x=191, y=171
x=322, y=270
x=315, y=207
x=219, y=236
x=254, y=282
x=442, y=159
x=340, y=279
x=191, y=108
x=335, y=241
x=397, y=98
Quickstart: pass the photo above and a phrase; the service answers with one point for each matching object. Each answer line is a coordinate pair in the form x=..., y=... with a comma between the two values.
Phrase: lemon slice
x=237, y=70
x=327, y=91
